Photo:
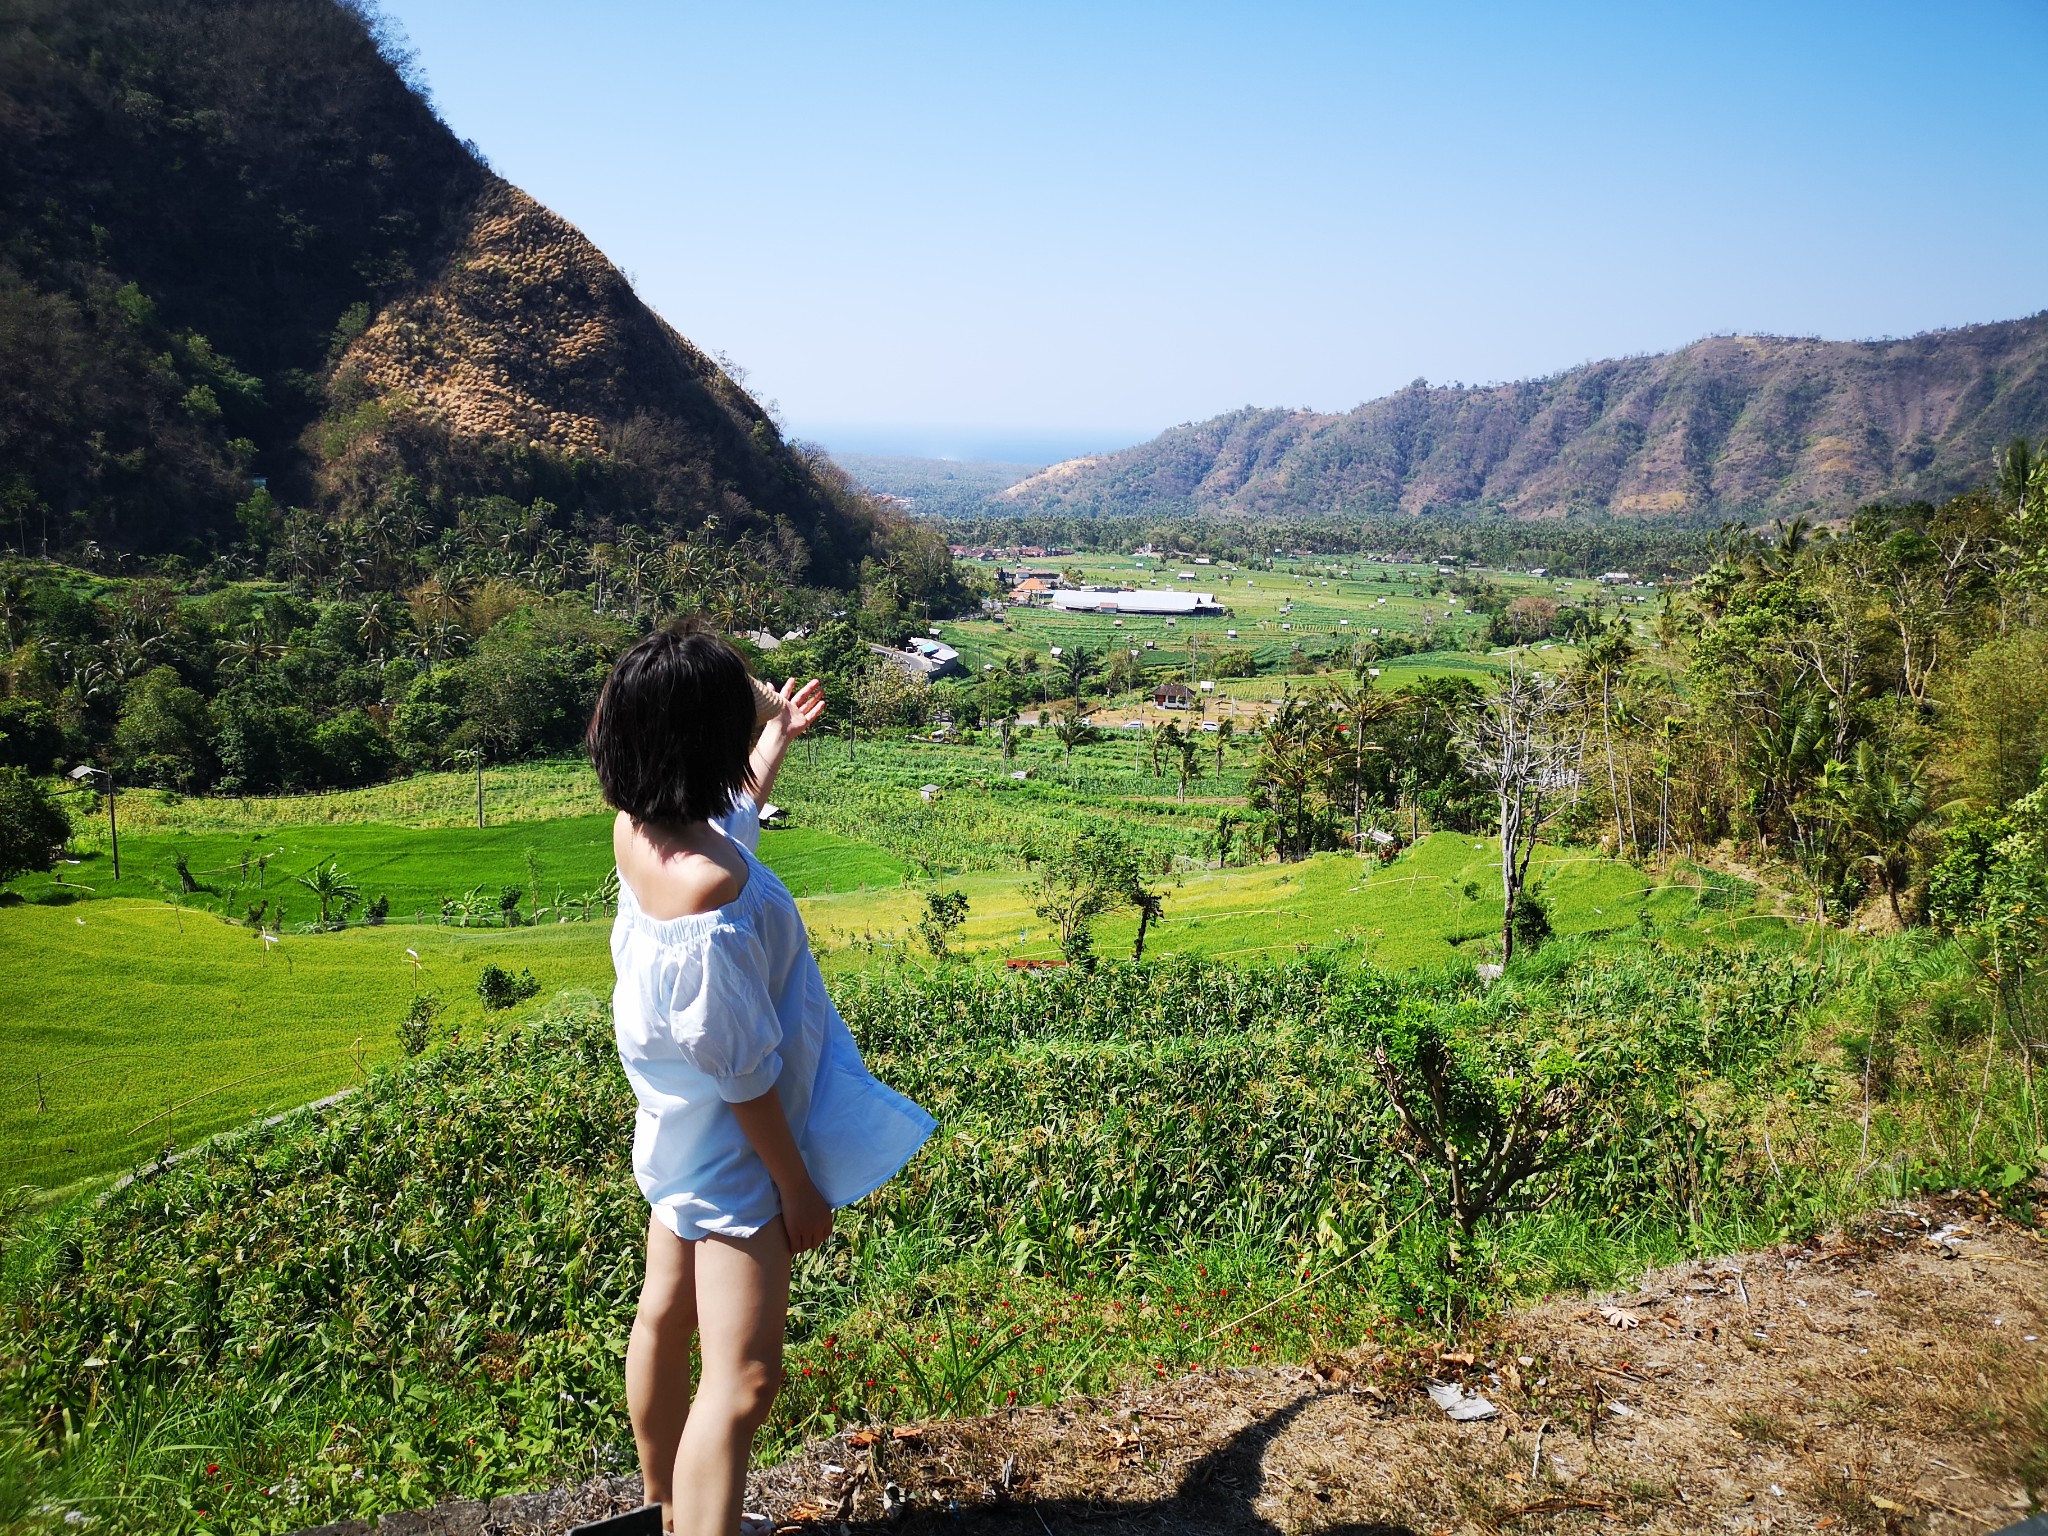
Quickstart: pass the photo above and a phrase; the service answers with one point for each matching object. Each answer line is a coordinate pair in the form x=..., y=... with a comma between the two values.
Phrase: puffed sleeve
x=743, y=822
x=724, y=1023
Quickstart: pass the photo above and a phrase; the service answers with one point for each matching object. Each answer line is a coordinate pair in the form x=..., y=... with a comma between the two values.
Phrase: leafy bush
x=944, y=912
x=1532, y=922
x=417, y=1027
x=30, y=736
x=500, y=989
x=33, y=827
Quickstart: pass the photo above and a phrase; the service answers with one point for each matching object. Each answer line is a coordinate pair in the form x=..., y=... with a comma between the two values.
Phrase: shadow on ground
x=1218, y=1493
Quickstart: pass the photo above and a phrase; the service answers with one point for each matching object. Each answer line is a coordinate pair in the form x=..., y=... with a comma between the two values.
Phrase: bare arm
x=801, y=708
x=806, y=1218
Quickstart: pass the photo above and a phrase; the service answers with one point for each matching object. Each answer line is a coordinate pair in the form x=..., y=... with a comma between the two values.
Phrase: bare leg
x=742, y=1305
x=658, y=1359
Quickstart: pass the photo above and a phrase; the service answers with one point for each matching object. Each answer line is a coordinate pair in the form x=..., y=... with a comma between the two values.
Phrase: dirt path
x=1894, y=1380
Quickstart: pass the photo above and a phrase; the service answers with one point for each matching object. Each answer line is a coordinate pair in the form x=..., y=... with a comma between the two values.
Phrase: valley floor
x=1888, y=1379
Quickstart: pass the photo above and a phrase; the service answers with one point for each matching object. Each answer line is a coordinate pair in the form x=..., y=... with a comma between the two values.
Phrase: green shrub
x=944, y=912
x=417, y=1026
x=1532, y=922
x=499, y=988
x=33, y=827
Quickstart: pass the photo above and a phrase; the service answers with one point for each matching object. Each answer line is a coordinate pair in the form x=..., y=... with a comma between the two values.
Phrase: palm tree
x=1187, y=749
x=375, y=629
x=1071, y=731
x=1224, y=731
x=331, y=888
x=2017, y=473
x=1291, y=779
x=1151, y=907
x=1884, y=804
x=1226, y=826
x=1793, y=539
x=1358, y=710
x=1076, y=667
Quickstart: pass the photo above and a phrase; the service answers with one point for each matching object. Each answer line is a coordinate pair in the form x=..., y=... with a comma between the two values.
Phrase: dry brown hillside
x=526, y=364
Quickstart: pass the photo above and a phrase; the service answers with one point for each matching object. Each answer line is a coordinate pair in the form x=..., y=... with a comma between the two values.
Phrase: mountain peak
x=1730, y=426
x=240, y=244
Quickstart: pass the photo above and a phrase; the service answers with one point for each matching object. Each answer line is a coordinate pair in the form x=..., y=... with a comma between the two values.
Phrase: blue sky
x=1036, y=229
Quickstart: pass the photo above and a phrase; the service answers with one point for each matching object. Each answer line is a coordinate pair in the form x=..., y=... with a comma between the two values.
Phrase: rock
x=459, y=1517
x=523, y=1509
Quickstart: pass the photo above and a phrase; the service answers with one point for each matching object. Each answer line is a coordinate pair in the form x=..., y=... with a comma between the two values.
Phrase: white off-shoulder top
x=718, y=1008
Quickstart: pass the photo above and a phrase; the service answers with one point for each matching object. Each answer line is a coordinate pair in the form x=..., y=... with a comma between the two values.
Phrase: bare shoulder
x=678, y=874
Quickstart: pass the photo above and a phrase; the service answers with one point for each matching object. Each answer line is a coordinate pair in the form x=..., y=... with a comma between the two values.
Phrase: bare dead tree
x=1523, y=741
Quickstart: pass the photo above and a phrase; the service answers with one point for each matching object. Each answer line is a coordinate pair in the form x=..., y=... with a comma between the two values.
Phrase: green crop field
x=1418, y=911
x=1132, y=1156
x=414, y=868
x=140, y=1017
x=1287, y=618
x=133, y=1023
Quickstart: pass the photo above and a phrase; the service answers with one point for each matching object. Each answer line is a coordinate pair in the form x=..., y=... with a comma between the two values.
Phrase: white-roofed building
x=1143, y=601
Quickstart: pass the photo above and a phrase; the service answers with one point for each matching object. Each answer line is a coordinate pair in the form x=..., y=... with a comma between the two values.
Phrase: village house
x=925, y=658
x=1174, y=696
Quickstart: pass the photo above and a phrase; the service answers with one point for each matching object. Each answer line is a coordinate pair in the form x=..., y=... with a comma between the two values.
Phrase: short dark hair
x=674, y=727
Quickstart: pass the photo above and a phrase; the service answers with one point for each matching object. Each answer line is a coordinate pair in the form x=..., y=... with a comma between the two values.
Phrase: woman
x=756, y=1115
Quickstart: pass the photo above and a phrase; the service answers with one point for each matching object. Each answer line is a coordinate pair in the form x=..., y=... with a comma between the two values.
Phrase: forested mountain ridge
x=1734, y=426
x=236, y=244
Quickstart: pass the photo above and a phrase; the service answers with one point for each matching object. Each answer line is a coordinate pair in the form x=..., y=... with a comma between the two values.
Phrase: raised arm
x=801, y=708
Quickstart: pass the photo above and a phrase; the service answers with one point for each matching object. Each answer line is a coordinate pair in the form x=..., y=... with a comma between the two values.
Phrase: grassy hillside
x=1733, y=426
x=132, y=1026
x=425, y=1290
x=551, y=865
x=134, y=1023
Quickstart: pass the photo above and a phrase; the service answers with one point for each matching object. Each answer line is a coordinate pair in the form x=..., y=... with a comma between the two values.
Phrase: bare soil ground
x=1892, y=1379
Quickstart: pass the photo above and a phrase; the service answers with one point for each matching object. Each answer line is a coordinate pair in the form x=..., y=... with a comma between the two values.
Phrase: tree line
x=328, y=653
x=1861, y=708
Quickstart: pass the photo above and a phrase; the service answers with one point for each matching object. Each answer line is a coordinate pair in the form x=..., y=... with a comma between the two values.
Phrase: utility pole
x=85, y=771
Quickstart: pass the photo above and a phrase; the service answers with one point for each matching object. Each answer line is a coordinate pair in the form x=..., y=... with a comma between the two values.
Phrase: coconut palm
x=2018, y=478
x=335, y=891
x=1884, y=806
x=1071, y=730
x=1187, y=750
x=1151, y=907
x=1358, y=709
x=1076, y=667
